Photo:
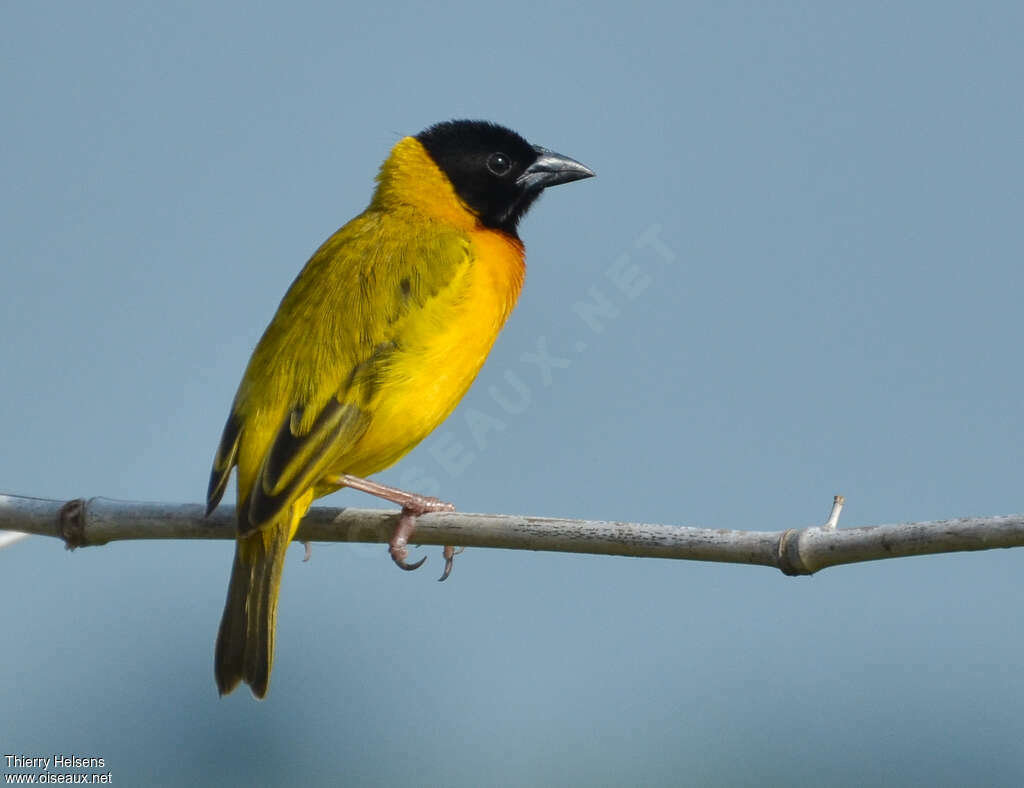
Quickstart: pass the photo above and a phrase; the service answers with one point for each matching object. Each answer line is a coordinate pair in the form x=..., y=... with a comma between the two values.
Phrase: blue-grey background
x=839, y=190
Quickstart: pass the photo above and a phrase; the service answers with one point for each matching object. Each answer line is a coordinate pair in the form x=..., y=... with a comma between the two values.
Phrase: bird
x=378, y=338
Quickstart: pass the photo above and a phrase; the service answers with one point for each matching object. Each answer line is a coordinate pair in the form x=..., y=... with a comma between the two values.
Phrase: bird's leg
x=419, y=504
x=413, y=505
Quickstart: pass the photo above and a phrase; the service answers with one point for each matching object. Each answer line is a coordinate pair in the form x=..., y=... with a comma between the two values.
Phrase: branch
x=803, y=551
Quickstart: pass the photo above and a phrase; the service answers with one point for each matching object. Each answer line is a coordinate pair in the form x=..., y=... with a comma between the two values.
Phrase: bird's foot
x=413, y=505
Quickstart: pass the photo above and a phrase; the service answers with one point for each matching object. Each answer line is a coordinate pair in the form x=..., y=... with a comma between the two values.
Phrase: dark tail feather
x=245, y=643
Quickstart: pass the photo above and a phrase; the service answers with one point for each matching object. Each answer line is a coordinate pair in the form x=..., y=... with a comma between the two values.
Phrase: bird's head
x=494, y=171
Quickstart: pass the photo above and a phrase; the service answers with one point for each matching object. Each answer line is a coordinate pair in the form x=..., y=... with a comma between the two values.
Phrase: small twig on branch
x=803, y=551
x=833, y=519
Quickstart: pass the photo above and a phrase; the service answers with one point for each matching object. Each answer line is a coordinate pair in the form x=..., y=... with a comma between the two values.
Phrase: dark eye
x=499, y=163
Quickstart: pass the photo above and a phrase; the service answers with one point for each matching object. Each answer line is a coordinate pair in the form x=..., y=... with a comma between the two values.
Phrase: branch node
x=789, y=560
x=71, y=523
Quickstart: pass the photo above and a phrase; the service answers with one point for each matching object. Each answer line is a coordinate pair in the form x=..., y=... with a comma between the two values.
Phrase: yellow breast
x=439, y=354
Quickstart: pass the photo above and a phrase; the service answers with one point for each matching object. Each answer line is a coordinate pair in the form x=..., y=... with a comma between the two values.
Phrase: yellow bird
x=373, y=345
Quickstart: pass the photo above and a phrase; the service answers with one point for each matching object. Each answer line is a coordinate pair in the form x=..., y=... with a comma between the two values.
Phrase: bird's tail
x=245, y=642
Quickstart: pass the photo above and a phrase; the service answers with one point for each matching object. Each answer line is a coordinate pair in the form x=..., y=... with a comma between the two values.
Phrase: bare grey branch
x=96, y=521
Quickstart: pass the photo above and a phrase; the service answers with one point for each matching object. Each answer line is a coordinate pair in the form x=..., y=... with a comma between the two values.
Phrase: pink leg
x=413, y=505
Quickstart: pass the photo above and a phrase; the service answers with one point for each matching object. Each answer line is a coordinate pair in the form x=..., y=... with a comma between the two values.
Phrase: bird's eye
x=499, y=163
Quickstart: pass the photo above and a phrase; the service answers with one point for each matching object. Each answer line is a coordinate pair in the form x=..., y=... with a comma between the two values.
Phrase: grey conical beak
x=551, y=169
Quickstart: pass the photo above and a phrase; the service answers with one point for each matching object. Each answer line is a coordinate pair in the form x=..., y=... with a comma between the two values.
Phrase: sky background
x=836, y=309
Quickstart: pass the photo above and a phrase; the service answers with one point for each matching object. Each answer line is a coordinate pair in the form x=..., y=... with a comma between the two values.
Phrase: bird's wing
x=322, y=357
x=223, y=461
x=298, y=458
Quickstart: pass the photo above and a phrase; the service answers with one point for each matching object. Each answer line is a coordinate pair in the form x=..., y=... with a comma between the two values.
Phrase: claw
x=398, y=556
x=449, y=558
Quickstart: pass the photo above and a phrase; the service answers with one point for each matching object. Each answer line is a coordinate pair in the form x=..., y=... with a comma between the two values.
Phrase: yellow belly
x=439, y=355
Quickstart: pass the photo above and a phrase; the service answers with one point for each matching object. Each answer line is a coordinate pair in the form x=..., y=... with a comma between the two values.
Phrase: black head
x=496, y=172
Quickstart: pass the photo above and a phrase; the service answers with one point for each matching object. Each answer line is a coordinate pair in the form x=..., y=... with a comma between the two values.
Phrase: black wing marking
x=296, y=460
x=223, y=462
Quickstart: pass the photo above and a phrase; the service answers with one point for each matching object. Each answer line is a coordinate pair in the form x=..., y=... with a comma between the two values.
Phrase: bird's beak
x=551, y=169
